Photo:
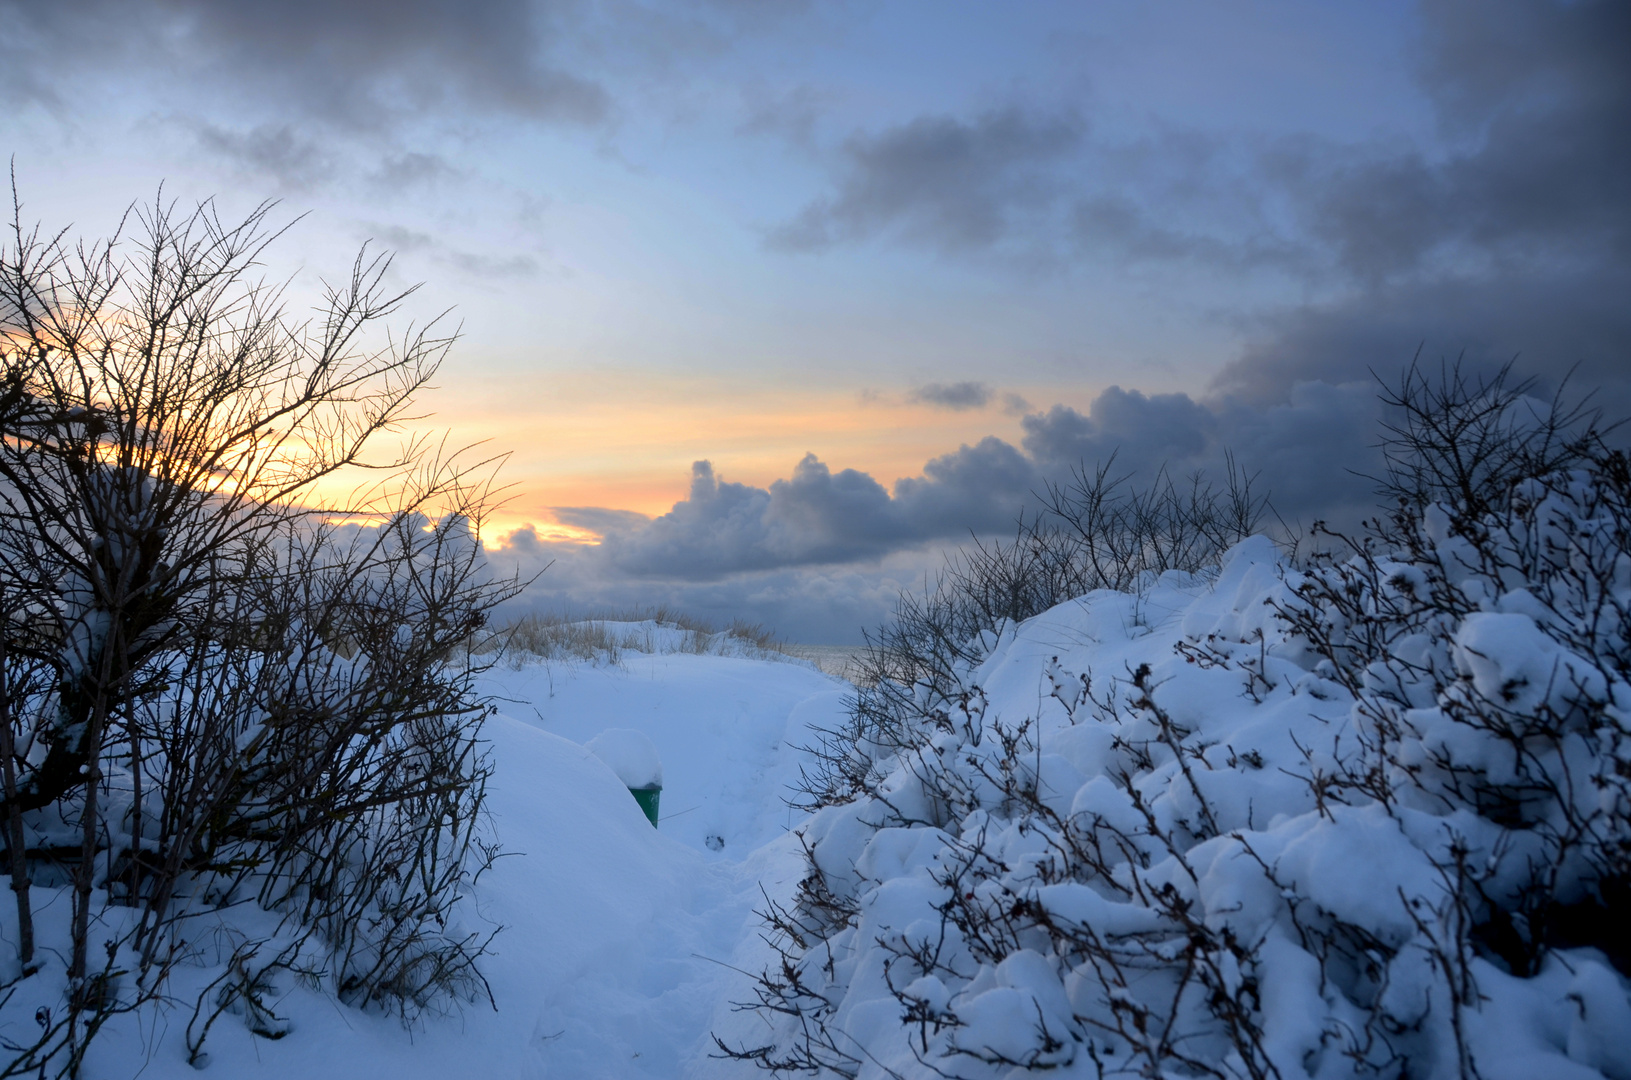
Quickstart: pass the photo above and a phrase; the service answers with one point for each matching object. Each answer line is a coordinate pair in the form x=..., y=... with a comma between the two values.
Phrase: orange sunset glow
x=628, y=441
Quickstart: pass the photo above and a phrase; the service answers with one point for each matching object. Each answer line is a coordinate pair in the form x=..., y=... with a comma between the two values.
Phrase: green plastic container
x=648, y=797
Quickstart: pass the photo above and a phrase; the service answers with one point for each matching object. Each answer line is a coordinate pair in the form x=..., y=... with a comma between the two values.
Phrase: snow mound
x=629, y=754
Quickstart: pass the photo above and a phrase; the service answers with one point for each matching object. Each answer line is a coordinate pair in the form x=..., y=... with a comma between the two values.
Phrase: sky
x=769, y=303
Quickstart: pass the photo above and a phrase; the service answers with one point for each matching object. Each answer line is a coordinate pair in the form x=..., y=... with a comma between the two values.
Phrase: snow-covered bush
x=1098, y=531
x=1362, y=815
x=233, y=737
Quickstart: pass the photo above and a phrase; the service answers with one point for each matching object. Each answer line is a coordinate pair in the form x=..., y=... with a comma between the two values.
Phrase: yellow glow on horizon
x=626, y=440
x=550, y=532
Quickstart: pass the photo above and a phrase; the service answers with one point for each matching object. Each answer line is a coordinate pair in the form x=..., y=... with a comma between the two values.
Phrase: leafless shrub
x=1519, y=511
x=607, y=635
x=221, y=685
x=1099, y=530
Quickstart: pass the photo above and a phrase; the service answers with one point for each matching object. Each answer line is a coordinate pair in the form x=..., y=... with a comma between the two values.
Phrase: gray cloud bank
x=1309, y=451
x=779, y=553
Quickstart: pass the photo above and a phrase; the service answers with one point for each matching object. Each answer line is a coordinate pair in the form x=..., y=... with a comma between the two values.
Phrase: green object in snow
x=647, y=798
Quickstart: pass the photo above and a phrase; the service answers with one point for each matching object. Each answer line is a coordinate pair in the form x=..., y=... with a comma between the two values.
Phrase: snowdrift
x=617, y=942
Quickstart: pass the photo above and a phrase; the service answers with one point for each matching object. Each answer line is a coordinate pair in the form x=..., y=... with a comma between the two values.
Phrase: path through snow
x=614, y=957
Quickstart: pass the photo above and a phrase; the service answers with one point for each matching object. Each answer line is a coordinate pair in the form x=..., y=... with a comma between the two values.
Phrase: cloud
x=958, y=396
x=599, y=519
x=823, y=553
x=1548, y=323
x=791, y=114
x=1041, y=186
x=941, y=182
x=360, y=65
x=1114, y=225
x=1536, y=98
x=1311, y=451
x=1160, y=427
x=477, y=264
x=820, y=604
x=400, y=238
x=722, y=527
x=412, y=169
x=407, y=241
x=820, y=517
x=1014, y=404
x=293, y=160
x=1516, y=244
x=1506, y=232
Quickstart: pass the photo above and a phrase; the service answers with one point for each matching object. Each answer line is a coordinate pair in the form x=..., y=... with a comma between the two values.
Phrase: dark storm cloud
x=978, y=489
x=1517, y=244
x=949, y=184
x=955, y=396
x=1549, y=323
x=358, y=63
x=1311, y=454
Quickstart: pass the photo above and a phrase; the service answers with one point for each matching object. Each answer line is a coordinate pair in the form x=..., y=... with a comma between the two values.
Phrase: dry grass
x=606, y=636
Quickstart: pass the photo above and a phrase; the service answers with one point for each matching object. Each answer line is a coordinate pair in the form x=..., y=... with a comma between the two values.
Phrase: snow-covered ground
x=619, y=940
x=1169, y=735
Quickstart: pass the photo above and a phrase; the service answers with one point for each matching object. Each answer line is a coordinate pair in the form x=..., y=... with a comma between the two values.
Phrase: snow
x=622, y=948
x=630, y=755
x=724, y=728
x=619, y=943
x=1123, y=790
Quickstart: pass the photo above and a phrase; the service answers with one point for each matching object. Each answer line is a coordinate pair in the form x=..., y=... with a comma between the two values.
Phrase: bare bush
x=1484, y=638
x=223, y=686
x=607, y=635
